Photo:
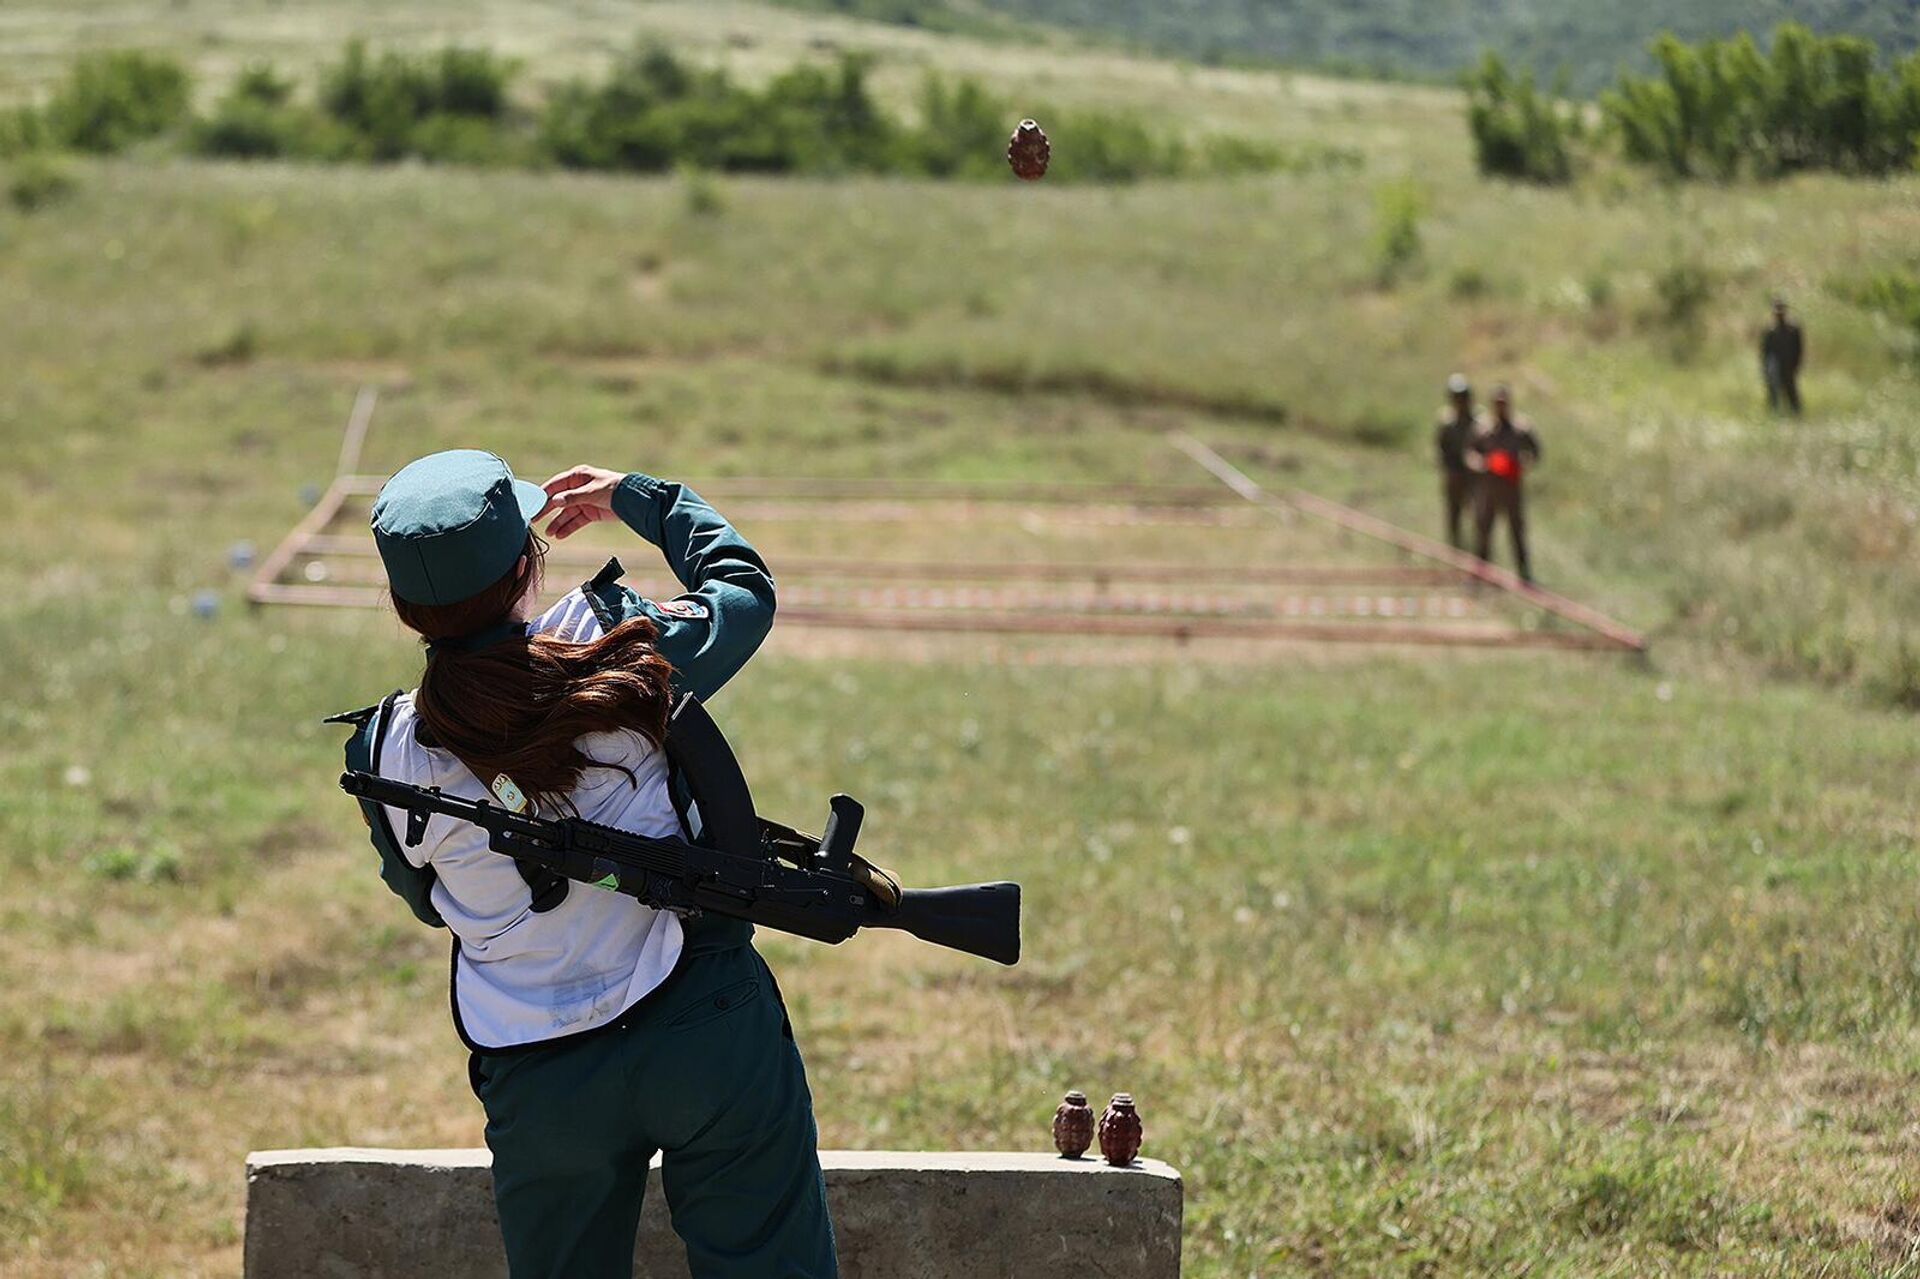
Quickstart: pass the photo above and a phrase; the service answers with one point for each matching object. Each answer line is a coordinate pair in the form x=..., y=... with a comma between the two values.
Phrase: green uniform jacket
x=709, y=632
x=1451, y=437
x=1515, y=435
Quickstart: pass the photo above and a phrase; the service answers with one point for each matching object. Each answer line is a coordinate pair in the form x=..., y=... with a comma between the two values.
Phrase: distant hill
x=1428, y=38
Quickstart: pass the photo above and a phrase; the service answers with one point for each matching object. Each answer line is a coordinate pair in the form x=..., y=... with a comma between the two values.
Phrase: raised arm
x=710, y=630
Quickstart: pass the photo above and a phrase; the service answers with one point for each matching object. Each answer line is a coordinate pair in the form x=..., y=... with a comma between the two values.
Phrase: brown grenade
x=1028, y=152
x=1073, y=1125
x=1120, y=1130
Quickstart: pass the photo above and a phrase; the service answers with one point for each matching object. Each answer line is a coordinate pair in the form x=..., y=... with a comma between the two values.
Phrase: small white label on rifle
x=509, y=795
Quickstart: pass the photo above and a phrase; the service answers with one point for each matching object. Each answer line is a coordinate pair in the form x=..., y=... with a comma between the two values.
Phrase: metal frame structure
x=1443, y=602
x=1472, y=566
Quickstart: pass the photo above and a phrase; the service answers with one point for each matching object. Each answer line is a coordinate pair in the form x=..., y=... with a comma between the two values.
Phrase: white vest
x=520, y=977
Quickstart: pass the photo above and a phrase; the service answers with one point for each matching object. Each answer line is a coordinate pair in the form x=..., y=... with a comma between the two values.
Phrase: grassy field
x=1479, y=964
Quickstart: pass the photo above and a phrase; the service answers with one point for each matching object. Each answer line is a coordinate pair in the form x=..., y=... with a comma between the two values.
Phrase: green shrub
x=246, y=129
x=112, y=100
x=1682, y=292
x=1518, y=131
x=22, y=130
x=1397, y=210
x=654, y=112
x=651, y=113
x=452, y=105
x=619, y=124
x=1722, y=108
x=239, y=346
x=36, y=180
x=701, y=194
x=1893, y=293
x=1683, y=289
x=472, y=82
x=1599, y=289
x=258, y=119
x=1469, y=282
x=260, y=83
x=160, y=862
x=1110, y=147
x=962, y=132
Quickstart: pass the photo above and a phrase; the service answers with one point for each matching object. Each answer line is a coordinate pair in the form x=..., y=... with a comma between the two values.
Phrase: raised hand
x=577, y=497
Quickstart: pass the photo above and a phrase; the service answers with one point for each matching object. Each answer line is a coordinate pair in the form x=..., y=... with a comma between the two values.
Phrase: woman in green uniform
x=601, y=1031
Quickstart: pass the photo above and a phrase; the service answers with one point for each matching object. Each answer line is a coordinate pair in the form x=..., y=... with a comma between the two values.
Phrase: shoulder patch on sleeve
x=681, y=608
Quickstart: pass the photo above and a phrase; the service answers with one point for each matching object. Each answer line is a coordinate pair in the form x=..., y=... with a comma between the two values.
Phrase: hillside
x=1408, y=37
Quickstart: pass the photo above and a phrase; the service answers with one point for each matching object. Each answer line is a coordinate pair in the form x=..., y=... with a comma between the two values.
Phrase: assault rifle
x=745, y=866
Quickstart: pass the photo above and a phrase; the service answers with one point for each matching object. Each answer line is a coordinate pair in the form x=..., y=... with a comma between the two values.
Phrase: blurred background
x=1468, y=956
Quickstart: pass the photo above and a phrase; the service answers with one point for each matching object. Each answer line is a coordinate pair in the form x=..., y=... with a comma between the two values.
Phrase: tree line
x=1719, y=109
x=651, y=112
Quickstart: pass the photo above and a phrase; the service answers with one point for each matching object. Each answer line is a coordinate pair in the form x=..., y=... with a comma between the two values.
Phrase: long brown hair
x=517, y=706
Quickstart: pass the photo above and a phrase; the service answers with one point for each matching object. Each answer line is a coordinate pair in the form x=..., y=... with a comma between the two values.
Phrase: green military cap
x=452, y=524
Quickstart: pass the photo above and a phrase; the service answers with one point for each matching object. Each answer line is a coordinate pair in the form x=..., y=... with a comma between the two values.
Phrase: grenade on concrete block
x=1073, y=1125
x=1120, y=1130
x=1028, y=151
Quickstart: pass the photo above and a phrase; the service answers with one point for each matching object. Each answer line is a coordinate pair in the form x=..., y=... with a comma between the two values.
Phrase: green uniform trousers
x=1457, y=488
x=1500, y=499
x=705, y=1071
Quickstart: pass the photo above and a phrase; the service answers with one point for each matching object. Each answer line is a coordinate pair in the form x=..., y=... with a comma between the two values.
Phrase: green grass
x=1419, y=966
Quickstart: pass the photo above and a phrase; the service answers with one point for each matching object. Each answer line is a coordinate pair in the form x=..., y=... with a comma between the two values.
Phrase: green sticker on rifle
x=611, y=883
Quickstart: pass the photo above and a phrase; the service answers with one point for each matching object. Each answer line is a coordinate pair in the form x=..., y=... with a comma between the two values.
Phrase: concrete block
x=348, y=1213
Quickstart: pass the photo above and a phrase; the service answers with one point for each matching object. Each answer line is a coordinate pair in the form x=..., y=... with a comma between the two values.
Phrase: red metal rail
x=1004, y=570
x=918, y=595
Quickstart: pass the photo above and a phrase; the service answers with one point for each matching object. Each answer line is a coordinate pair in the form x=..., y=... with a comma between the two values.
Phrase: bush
x=1894, y=294
x=239, y=345
x=962, y=132
x=22, y=130
x=452, y=105
x=1599, y=289
x=621, y=123
x=112, y=100
x=1722, y=108
x=1397, y=210
x=1104, y=147
x=1683, y=292
x=1684, y=289
x=261, y=83
x=36, y=181
x=1469, y=282
x=1519, y=132
x=245, y=129
x=701, y=194
x=259, y=120
x=654, y=112
x=160, y=863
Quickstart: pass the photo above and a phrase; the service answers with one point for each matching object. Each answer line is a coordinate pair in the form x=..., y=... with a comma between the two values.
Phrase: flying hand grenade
x=1028, y=151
